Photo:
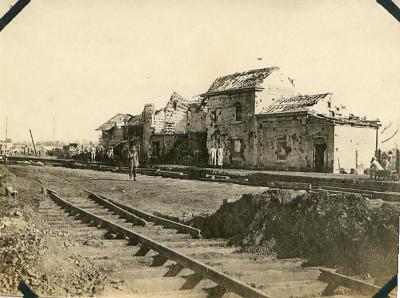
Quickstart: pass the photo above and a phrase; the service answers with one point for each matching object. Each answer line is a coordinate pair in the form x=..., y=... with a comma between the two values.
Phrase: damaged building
x=165, y=130
x=311, y=133
x=260, y=121
x=133, y=133
x=113, y=131
x=175, y=133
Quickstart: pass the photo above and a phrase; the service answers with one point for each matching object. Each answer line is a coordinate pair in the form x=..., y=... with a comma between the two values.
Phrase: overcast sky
x=82, y=61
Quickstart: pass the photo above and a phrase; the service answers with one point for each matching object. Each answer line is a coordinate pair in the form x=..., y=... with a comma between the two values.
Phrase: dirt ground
x=31, y=251
x=244, y=172
x=171, y=197
x=183, y=199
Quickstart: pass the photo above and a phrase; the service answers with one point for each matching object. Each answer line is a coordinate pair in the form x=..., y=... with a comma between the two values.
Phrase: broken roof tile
x=169, y=119
x=135, y=120
x=296, y=103
x=117, y=120
x=241, y=80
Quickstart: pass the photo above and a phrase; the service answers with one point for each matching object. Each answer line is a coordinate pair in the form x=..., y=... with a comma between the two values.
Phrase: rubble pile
x=345, y=231
x=20, y=246
x=41, y=256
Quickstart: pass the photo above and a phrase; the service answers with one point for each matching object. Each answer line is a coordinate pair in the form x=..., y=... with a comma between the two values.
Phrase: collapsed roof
x=241, y=80
x=319, y=105
x=301, y=103
x=117, y=120
x=135, y=120
x=173, y=118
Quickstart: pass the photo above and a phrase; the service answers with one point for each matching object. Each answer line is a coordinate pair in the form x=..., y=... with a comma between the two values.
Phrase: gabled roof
x=241, y=80
x=117, y=120
x=296, y=103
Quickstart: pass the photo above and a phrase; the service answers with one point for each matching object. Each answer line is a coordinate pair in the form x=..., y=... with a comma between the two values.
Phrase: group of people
x=375, y=165
x=131, y=155
x=216, y=159
x=383, y=163
x=378, y=169
x=216, y=156
x=99, y=154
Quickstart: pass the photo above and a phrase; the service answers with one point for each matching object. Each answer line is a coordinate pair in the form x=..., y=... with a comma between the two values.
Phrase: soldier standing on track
x=133, y=157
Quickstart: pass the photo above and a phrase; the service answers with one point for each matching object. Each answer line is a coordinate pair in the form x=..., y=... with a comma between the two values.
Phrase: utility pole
x=54, y=130
x=6, y=129
x=376, y=143
x=34, y=147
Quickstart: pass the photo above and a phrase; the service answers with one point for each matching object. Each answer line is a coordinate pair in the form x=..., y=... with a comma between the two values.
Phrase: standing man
x=110, y=155
x=133, y=157
x=220, y=156
x=93, y=153
x=213, y=156
x=385, y=160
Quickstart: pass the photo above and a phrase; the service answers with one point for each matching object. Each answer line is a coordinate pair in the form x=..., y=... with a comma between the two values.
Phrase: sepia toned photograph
x=224, y=148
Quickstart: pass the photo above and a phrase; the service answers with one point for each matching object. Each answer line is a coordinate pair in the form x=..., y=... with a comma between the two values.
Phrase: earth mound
x=345, y=231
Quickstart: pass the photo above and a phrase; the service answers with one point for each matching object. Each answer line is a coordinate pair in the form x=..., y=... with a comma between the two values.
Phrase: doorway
x=319, y=157
x=156, y=148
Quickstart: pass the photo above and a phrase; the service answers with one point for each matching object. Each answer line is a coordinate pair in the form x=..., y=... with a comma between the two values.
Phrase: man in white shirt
x=374, y=166
x=220, y=156
x=213, y=156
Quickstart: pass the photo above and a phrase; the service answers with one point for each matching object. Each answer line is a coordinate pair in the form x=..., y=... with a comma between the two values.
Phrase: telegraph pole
x=54, y=130
x=6, y=128
x=34, y=147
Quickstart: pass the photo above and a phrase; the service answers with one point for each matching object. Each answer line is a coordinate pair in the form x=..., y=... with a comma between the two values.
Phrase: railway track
x=384, y=192
x=158, y=257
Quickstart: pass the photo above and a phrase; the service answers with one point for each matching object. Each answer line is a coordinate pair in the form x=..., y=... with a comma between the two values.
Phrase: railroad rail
x=147, y=216
x=201, y=271
x=222, y=283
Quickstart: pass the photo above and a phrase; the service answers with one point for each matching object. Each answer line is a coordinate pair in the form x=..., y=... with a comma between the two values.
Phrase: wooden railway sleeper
x=181, y=228
x=192, y=281
x=201, y=271
x=174, y=270
x=129, y=217
x=158, y=260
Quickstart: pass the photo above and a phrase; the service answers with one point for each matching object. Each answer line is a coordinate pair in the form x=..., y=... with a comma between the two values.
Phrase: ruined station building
x=261, y=122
